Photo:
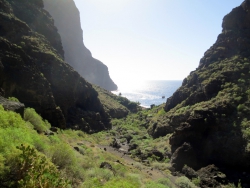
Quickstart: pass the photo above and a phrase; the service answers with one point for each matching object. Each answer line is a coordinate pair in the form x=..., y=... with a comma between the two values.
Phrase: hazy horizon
x=151, y=40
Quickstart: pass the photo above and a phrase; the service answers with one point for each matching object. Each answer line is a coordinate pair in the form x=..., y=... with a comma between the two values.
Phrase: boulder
x=184, y=155
x=189, y=172
x=132, y=146
x=12, y=106
x=158, y=154
x=210, y=176
x=115, y=144
x=106, y=165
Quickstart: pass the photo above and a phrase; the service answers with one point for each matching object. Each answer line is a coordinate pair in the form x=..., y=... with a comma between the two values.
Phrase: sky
x=151, y=39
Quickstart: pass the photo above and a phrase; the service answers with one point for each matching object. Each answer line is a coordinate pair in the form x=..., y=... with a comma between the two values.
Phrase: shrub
x=161, y=112
x=13, y=99
x=161, y=166
x=63, y=156
x=165, y=181
x=31, y=169
x=13, y=130
x=102, y=174
x=92, y=183
x=10, y=119
x=184, y=182
x=241, y=107
x=196, y=181
x=139, y=166
x=153, y=184
x=36, y=120
x=128, y=182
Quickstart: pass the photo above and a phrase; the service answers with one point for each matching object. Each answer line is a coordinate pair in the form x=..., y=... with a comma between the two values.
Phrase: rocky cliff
x=32, y=69
x=67, y=20
x=209, y=115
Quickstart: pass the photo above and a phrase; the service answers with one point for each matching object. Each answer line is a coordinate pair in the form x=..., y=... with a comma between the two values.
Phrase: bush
x=184, y=182
x=241, y=107
x=13, y=99
x=10, y=119
x=102, y=174
x=36, y=120
x=152, y=184
x=31, y=169
x=161, y=166
x=128, y=182
x=35, y=170
x=63, y=156
x=165, y=181
x=196, y=181
x=13, y=131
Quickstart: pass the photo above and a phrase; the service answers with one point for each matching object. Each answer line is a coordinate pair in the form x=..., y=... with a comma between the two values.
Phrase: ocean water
x=148, y=92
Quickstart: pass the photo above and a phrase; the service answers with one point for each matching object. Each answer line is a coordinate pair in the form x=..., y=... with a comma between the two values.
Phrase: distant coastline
x=148, y=92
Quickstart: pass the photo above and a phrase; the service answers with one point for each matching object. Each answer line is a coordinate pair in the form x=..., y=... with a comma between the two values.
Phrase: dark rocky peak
x=234, y=38
x=246, y=5
x=67, y=20
x=234, y=41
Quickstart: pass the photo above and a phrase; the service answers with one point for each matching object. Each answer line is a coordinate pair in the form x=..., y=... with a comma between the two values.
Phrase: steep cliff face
x=32, y=69
x=67, y=20
x=209, y=115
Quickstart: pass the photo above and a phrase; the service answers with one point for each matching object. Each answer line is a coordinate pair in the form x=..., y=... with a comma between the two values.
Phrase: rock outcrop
x=32, y=69
x=210, y=112
x=67, y=20
x=12, y=106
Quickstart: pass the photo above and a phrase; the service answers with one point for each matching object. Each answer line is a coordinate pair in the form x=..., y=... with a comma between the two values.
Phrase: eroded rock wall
x=67, y=20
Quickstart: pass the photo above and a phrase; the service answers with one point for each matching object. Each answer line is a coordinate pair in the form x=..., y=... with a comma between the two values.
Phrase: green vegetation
x=184, y=182
x=76, y=156
x=34, y=119
x=24, y=166
x=132, y=131
x=113, y=102
x=13, y=99
x=32, y=157
x=215, y=97
x=34, y=170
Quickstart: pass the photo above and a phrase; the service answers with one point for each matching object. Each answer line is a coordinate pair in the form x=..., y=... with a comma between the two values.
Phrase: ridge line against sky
x=151, y=39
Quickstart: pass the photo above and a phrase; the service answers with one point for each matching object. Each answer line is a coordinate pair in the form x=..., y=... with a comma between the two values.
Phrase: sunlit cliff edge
x=67, y=20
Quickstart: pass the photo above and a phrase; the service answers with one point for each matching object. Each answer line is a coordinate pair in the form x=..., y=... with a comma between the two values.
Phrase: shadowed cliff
x=32, y=69
x=67, y=20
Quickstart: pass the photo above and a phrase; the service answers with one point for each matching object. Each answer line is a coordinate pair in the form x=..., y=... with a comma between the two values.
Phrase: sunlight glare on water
x=148, y=92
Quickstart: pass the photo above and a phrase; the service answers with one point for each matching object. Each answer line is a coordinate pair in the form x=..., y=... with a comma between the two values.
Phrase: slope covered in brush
x=209, y=114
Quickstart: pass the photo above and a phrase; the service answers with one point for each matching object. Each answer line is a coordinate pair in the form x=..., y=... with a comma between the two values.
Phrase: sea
x=148, y=92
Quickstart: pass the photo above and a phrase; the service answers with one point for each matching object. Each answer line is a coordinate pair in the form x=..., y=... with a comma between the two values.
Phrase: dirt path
x=151, y=173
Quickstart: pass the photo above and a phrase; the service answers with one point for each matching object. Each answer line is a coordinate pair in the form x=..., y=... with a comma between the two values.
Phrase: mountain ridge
x=208, y=116
x=67, y=20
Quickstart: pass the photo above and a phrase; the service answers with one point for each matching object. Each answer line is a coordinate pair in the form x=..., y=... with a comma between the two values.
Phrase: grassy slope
x=111, y=105
x=81, y=168
x=116, y=106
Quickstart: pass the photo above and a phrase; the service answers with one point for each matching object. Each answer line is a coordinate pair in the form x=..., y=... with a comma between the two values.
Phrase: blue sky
x=151, y=39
